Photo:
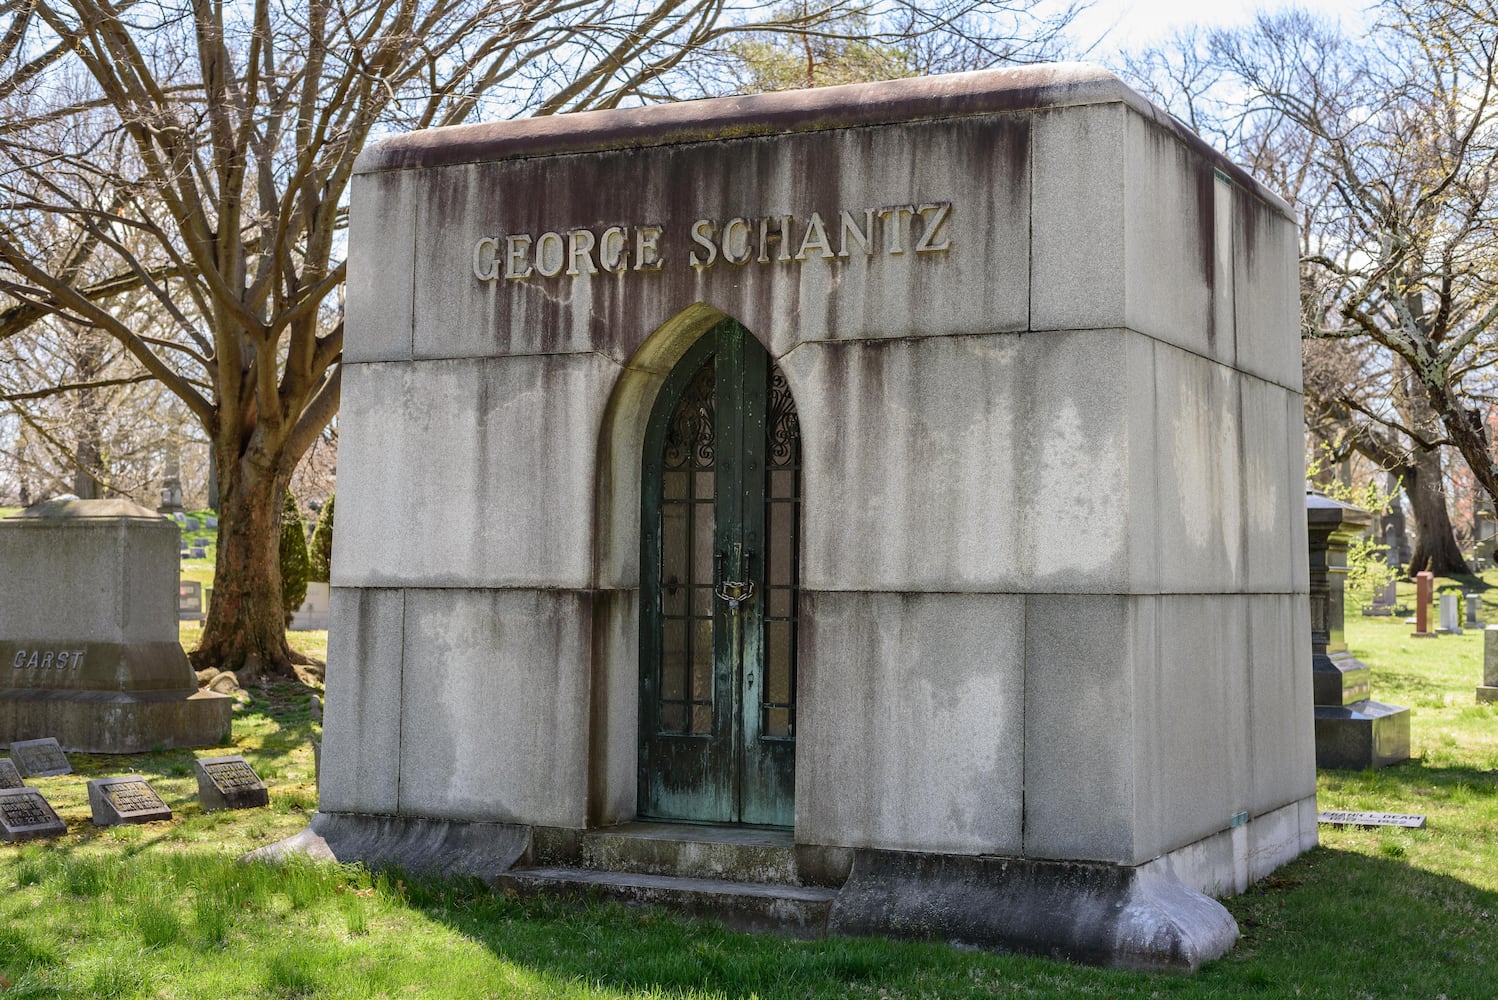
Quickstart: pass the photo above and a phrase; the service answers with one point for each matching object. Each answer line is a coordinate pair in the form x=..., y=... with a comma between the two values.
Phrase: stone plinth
x=88, y=632
x=1362, y=735
x=1351, y=731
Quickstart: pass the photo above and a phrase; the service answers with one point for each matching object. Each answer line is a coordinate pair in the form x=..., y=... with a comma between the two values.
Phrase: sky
x=1134, y=23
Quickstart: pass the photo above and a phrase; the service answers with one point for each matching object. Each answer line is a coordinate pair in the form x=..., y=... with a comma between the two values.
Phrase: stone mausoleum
x=876, y=509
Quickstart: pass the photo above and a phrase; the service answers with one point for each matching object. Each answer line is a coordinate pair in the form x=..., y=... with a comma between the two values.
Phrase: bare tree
x=199, y=153
x=1406, y=128
x=1384, y=144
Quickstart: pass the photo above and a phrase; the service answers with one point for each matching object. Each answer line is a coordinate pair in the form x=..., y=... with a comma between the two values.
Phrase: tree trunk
x=1435, y=541
x=246, y=627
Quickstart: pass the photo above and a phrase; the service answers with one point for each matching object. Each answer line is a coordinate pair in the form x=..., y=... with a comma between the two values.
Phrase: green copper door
x=719, y=557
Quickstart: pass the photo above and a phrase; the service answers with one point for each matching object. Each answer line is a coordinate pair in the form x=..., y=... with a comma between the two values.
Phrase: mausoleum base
x=1137, y=917
x=1486, y=693
x=1362, y=735
x=104, y=722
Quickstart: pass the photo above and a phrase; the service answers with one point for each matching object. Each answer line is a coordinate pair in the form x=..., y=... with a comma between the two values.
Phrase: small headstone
x=1488, y=690
x=314, y=708
x=179, y=517
x=1449, y=624
x=39, y=758
x=229, y=783
x=189, y=524
x=190, y=601
x=125, y=800
x=211, y=522
x=9, y=776
x=1383, y=601
x=198, y=552
x=1474, y=605
x=1424, y=582
x=25, y=813
x=1407, y=820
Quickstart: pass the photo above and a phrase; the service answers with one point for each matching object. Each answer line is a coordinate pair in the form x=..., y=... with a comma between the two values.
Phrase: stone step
x=737, y=854
x=796, y=911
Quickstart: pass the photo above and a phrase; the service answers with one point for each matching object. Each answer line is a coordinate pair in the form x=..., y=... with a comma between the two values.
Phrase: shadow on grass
x=1417, y=781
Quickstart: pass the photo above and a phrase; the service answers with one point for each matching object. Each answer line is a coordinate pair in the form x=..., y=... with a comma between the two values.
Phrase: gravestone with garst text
x=89, y=651
x=701, y=467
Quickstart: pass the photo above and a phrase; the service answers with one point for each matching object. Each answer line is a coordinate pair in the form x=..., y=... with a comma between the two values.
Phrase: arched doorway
x=720, y=511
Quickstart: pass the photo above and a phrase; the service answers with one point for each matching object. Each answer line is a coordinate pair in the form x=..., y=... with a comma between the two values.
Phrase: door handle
x=734, y=592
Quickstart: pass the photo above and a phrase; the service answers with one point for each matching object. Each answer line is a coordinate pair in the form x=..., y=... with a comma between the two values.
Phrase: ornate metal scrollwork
x=784, y=428
x=691, y=440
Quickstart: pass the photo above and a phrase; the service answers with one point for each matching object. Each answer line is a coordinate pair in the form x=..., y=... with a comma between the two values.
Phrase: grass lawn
x=165, y=910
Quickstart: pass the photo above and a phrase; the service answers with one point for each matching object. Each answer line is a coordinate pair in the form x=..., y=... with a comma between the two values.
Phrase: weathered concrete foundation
x=1135, y=917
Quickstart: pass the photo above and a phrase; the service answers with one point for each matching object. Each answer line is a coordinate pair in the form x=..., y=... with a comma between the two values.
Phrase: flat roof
x=955, y=95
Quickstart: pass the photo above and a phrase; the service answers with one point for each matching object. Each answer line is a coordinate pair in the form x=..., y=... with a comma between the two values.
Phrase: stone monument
x=88, y=632
x=128, y=799
x=171, y=486
x=1424, y=585
x=1488, y=689
x=1352, y=730
x=229, y=783
x=1450, y=615
x=727, y=441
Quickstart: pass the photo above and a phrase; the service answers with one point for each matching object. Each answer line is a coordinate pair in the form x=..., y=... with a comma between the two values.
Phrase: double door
x=720, y=523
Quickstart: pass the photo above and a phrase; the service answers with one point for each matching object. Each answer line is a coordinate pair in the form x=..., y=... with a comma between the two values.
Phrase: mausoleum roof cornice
x=955, y=95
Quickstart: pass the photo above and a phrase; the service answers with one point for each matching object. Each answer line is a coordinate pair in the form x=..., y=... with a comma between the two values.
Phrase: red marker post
x=1424, y=583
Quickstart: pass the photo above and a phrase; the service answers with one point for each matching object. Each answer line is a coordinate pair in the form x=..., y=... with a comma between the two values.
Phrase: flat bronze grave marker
x=25, y=813
x=1408, y=820
x=39, y=758
x=9, y=776
x=229, y=783
x=125, y=800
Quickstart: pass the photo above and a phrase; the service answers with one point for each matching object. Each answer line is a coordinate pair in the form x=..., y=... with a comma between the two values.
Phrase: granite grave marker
x=129, y=799
x=190, y=601
x=1450, y=625
x=9, y=776
x=1410, y=821
x=25, y=813
x=42, y=758
x=1352, y=730
x=229, y=783
x=1487, y=691
x=1424, y=584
